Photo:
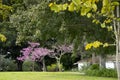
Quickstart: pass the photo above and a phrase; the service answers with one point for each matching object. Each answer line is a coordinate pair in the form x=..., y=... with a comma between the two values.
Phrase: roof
x=112, y=58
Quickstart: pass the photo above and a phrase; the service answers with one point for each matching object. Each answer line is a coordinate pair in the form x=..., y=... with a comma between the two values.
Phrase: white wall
x=81, y=64
x=110, y=65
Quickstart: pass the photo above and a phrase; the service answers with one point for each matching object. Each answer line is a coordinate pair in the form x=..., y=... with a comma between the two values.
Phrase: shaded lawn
x=48, y=76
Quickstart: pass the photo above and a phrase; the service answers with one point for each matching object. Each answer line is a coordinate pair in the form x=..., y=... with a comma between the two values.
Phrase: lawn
x=48, y=76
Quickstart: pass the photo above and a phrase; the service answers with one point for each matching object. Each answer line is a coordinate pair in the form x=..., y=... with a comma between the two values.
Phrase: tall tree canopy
x=92, y=9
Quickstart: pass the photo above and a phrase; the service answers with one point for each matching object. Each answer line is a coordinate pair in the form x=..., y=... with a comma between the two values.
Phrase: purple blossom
x=33, y=44
x=61, y=50
x=64, y=48
x=33, y=53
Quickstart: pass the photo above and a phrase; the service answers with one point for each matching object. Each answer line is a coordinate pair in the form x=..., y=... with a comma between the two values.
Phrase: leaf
x=71, y=7
x=89, y=15
x=50, y=4
x=115, y=3
x=65, y=6
x=84, y=11
x=105, y=45
x=87, y=4
x=94, y=6
x=105, y=2
x=60, y=6
x=103, y=25
x=76, y=2
x=94, y=21
x=2, y=38
x=108, y=21
x=97, y=21
x=110, y=28
x=55, y=8
x=103, y=10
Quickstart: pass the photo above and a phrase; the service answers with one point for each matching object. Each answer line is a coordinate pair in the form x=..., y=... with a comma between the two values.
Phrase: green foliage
x=94, y=70
x=94, y=67
x=102, y=72
x=28, y=24
x=71, y=7
x=36, y=24
x=7, y=64
x=67, y=61
x=28, y=65
x=2, y=38
x=53, y=67
x=5, y=11
x=91, y=9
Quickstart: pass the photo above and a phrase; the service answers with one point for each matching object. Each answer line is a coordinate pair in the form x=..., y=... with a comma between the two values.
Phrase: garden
x=59, y=39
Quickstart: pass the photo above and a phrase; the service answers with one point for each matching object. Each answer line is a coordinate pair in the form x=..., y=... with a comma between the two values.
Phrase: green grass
x=48, y=76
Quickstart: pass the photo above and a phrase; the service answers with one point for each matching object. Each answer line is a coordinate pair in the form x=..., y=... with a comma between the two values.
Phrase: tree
x=91, y=9
x=33, y=53
x=59, y=51
x=5, y=11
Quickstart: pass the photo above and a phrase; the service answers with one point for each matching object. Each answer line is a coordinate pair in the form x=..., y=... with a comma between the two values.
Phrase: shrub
x=94, y=67
x=53, y=67
x=7, y=64
x=28, y=65
x=95, y=71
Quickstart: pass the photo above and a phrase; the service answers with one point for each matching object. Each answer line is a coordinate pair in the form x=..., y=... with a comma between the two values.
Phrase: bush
x=94, y=67
x=7, y=64
x=95, y=71
x=28, y=65
x=53, y=67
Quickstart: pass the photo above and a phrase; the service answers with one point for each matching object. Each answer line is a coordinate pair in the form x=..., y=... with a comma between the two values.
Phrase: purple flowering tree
x=59, y=51
x=34, y=53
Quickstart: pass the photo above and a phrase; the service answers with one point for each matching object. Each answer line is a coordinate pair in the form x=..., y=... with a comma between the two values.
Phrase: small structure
x=82, y=63
x=109, y=64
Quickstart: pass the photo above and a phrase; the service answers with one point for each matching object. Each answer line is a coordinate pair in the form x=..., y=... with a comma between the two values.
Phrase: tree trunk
x=33, y=66
x=40, y=64
x=118, y=43
x=58, y=64
x=44, y=66
x=93, y=58
x=117, y=57
x=19, y=65
x=102, y=61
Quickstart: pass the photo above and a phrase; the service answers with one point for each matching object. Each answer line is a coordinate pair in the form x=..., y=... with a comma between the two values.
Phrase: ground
x=48, y=76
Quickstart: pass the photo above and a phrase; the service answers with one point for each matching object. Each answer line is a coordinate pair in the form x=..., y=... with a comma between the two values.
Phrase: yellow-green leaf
x=84, y=10
x=71, y=7
x=94, y=21
x=65, y=6
x=76, y=2
x=108, y=21
x=115, y=3
x=55, y=8
x=94, y=6
x=105, y=45
x=50, y=4
x=110, y=28
x=89, y=15
x=2, y=38
x=103, y=25
x=105, y=2
x=60, y=7
x=103, y=10
x=87, y=4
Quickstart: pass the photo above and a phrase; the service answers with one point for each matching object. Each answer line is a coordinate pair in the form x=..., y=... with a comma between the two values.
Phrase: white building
x=109, y=64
